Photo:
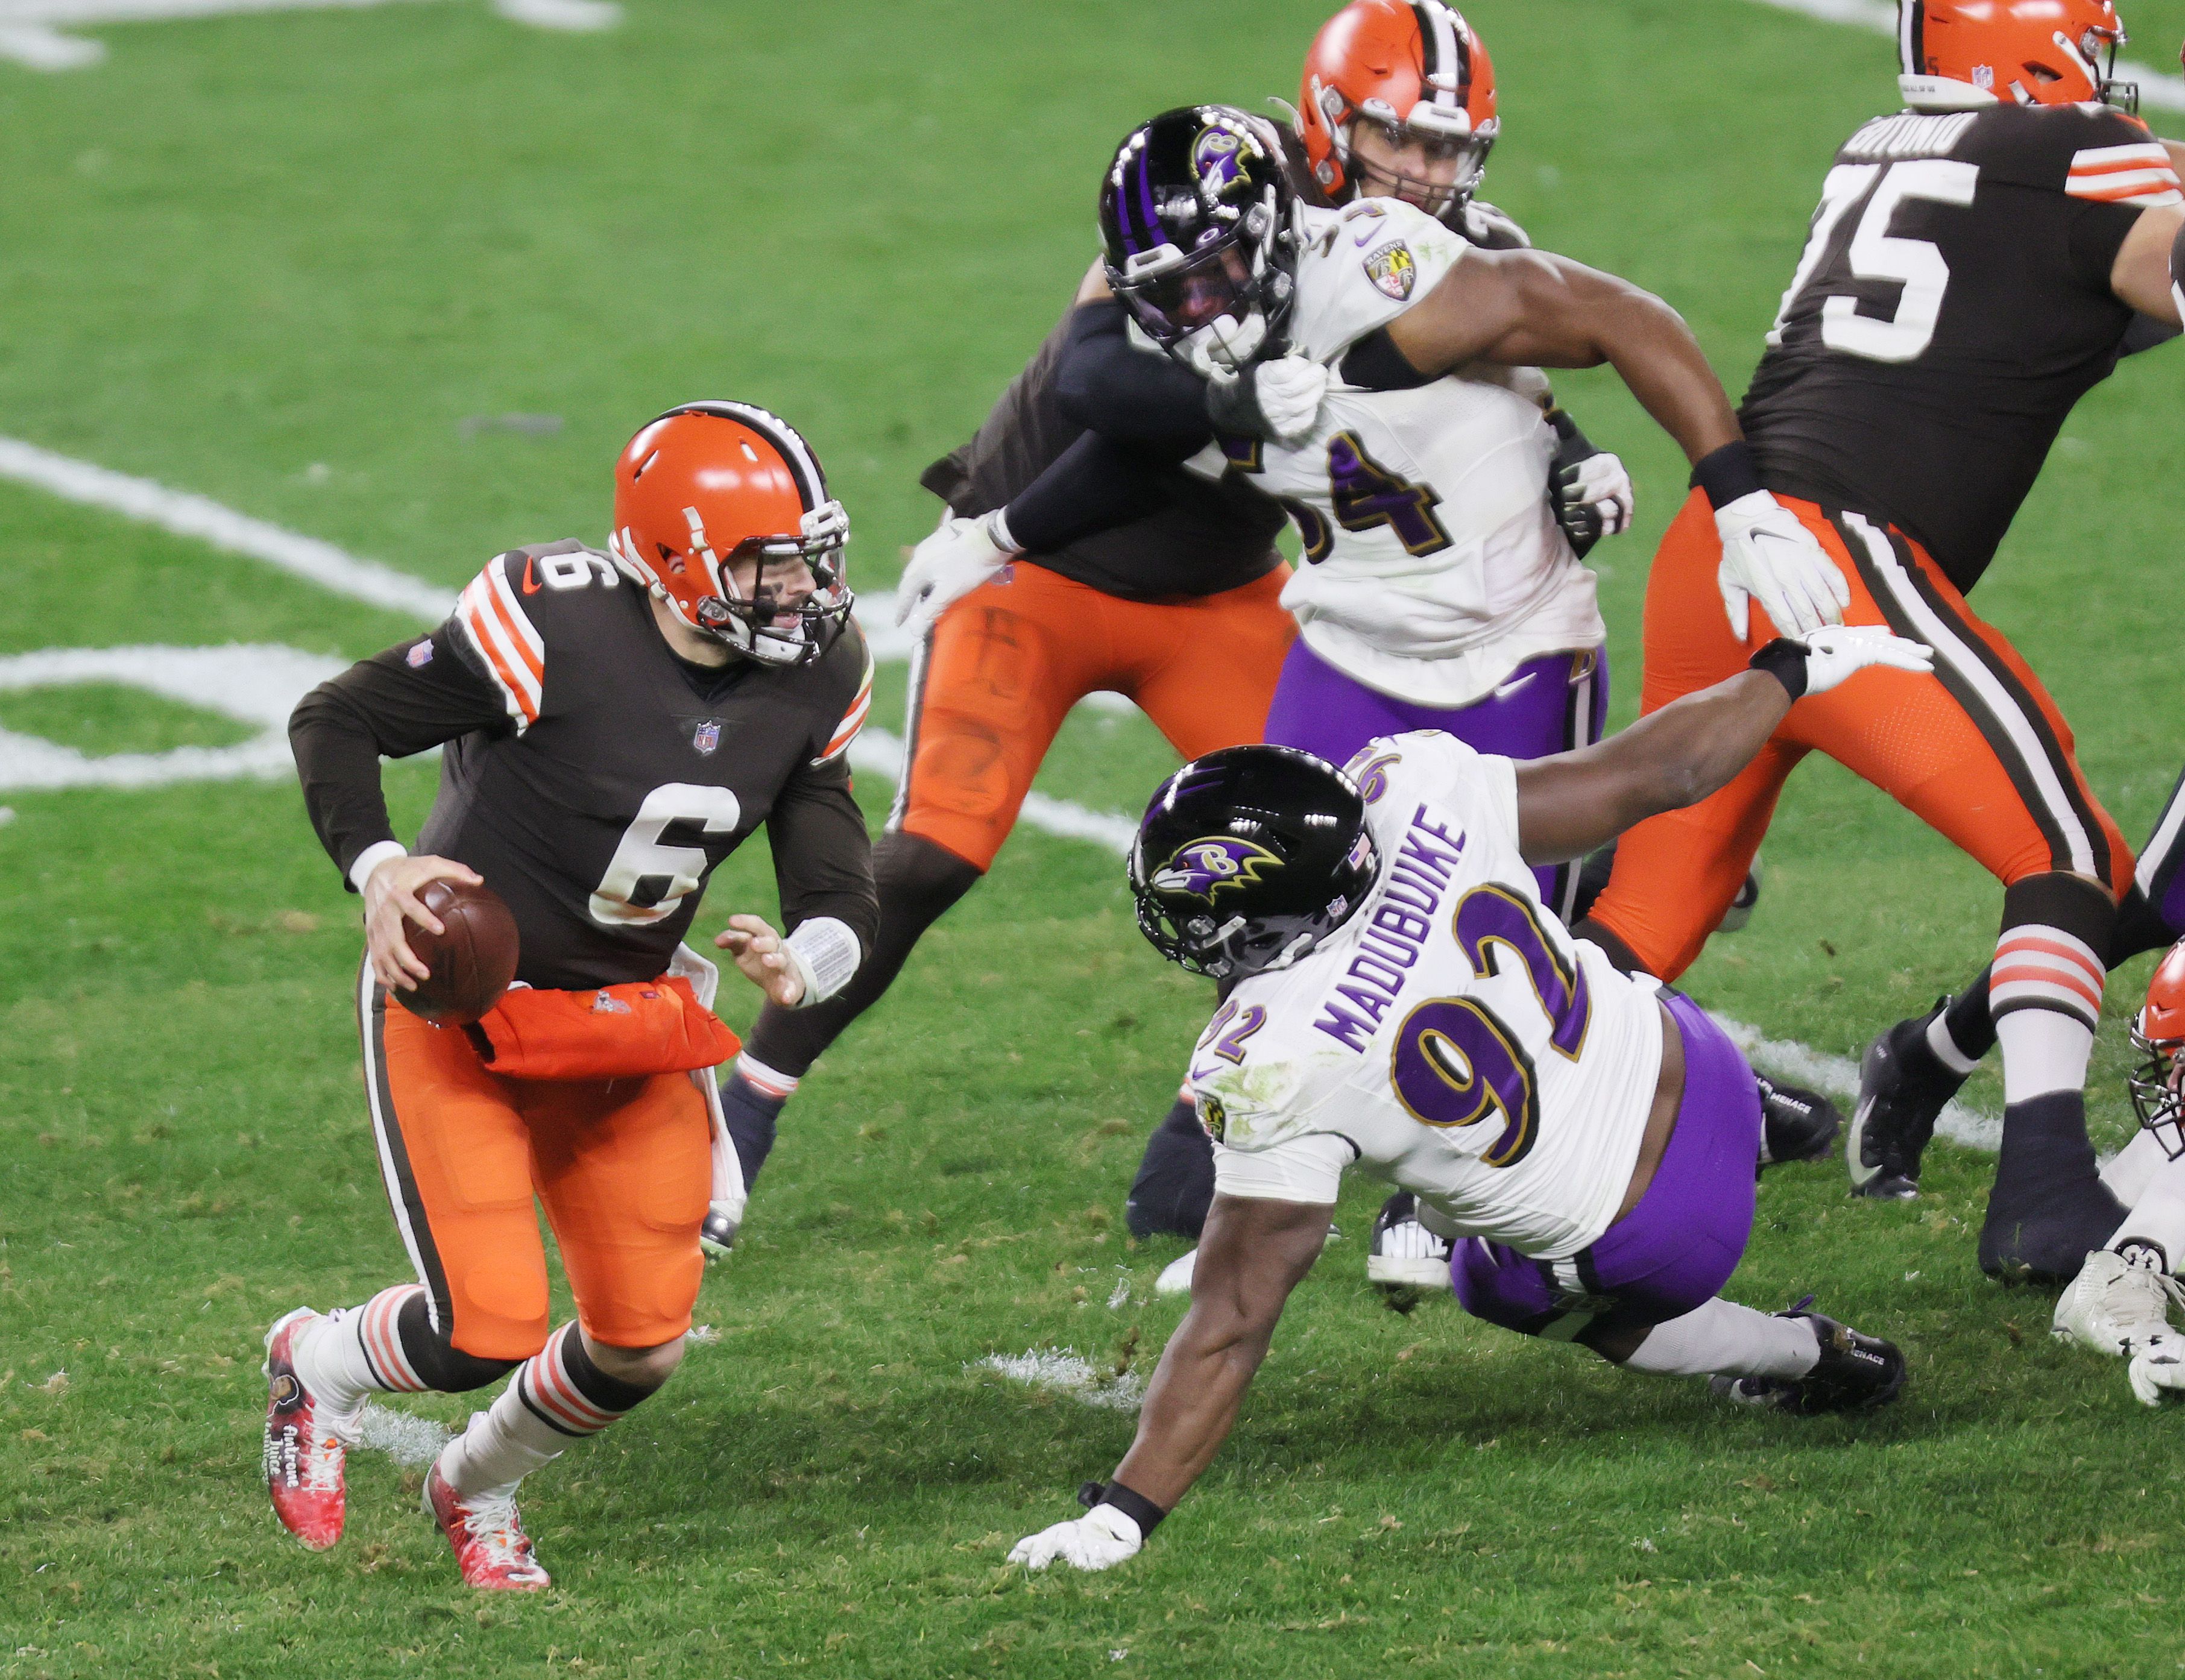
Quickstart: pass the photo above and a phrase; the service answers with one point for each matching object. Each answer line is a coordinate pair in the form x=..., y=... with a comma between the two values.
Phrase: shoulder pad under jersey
x=1362, y=266
x=507, y=612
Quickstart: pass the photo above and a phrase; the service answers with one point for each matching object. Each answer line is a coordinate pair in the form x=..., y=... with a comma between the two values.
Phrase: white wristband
x=371, y=858
x=826, y=953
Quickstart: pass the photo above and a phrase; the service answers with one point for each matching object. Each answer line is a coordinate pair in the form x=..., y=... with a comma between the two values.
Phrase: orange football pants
x=1005, y=665
x=1977, y=750
x=623, y=1167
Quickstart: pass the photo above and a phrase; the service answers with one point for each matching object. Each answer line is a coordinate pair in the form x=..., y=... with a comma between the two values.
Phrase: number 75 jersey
x=1952, y=302
x=1451, y=1038
x=1433, y=565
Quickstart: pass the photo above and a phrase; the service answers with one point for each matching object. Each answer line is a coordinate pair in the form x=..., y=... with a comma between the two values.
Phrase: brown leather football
x=472, y=963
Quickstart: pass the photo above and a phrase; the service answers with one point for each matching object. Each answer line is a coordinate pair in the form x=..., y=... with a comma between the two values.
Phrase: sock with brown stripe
x=388, y=1346
x=558, y=1397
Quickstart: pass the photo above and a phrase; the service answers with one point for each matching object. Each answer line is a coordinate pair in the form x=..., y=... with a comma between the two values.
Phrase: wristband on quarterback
x=1785, y=661
x=1134, y=1505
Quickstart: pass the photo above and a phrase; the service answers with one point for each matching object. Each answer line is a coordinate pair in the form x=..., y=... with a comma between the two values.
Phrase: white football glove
x=1834, y=654
x=1100, y=1539
x=959, y=555
x=1768, y=556
x=1289, y=389
x=2157, y=1369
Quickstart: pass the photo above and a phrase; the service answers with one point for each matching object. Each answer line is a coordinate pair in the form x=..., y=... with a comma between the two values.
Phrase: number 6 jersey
x=1450, y=1038
x=593, y=778
x=1953, y=304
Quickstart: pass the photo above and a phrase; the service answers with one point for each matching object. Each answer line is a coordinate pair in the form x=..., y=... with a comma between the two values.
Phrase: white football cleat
x=2118, y=1304
x=1404, y=1254
x=1176, y=1276
x=2158, y=1368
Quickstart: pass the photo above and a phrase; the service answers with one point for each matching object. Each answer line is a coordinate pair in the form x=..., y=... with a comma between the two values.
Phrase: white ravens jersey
x=1451, y=1038
x=1434, y=564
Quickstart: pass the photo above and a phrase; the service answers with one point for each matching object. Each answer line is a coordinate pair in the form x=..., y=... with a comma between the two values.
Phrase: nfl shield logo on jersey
x=708, y=736
x=1392, y=269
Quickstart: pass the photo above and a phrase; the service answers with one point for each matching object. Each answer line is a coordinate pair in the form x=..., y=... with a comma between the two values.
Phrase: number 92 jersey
x=1953, y=304
x=1433, y=565
x=593, y=778
x=1450, y=1038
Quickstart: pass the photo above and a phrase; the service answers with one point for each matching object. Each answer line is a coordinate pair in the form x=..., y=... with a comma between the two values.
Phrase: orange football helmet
x=1420, y=72
x=1961, y=54
x=2158, y=1034
x=721, y=511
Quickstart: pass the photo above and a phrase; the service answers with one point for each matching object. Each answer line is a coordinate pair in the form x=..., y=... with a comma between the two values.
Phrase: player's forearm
x=1192, y=1401
x=337, y=763
x=1657, y=358
x=2149, y=264
x=1105, y=384
x=1094, y=485
x=822, y=856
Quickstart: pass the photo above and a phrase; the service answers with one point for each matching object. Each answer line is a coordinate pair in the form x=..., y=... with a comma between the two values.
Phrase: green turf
x=289, y=261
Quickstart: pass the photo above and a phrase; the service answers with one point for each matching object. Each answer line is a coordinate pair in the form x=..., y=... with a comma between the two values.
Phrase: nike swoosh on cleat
x=530, y=583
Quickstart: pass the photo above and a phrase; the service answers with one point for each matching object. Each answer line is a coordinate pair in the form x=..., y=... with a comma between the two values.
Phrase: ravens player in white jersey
x=1396, y=997
x=616, y=724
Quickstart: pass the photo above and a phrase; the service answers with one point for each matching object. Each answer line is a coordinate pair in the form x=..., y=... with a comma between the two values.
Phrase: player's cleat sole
x=1796, y=1125
x=1403, y=1254
x=491, y=1549
x=304, y=1454
x=2117, y=1304
x=717, y=1236
x=1902, y=1091
x=1855, y=1373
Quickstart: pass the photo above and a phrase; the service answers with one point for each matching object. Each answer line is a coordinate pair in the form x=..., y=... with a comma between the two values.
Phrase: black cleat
x=1901, y=1088
x=1742, y=907
x=1796, y=1125
x=1403, y=1257
x=718, y=1235
x=1855, y=1373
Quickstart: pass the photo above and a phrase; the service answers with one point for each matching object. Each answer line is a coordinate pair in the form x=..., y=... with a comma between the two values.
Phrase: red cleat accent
x=304, y=1452
x=490, y=1544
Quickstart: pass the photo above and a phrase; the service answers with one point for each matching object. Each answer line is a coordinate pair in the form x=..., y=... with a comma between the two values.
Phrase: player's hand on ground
x=1592, y=493
x=959, y=555
x=1278, y=398
x=1100, y=1539
x=1834, y=654
x=760, y=954
x=2158, y=1369
x=390, y=893
x=1768, y=556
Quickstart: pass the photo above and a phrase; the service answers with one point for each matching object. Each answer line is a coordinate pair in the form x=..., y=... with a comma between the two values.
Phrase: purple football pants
x=1546, y=705
x=1674, y=1250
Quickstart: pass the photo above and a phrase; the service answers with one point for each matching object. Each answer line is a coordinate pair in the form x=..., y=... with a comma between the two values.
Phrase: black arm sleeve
x=385, y=705
x=1105, y=384
x=823, y=857
x=1095, y=485
x=1375, y=364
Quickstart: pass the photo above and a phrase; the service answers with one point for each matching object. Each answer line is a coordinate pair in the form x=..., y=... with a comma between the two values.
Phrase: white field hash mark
x=30, y=31
x=874, y=749
x=1063, y=1370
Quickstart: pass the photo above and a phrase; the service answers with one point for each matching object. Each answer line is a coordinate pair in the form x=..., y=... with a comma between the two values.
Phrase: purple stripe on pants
x=1676, y=1250
x=1546, y=705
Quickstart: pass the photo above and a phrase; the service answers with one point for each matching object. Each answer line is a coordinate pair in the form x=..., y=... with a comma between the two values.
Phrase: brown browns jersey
x=1953, y=304
x=593, y=777
x=1209, y=538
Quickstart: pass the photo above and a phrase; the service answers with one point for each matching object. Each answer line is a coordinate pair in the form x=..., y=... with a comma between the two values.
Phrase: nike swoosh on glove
x=959, y=555
x=1100, y=1539
x=1768, y=556
x=1834, y=654
x=2158, y=1368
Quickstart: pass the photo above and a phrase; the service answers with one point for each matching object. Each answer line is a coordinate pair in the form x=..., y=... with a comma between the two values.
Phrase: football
x=472, y=963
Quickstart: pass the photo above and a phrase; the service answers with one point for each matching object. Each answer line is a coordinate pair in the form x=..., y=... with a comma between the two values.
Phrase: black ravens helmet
x=1248, y=858
x=1198, y=226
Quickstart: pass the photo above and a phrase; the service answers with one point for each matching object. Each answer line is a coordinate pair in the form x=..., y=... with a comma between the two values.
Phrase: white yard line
x=30, y=31
x=1838, y=1075
x=2159, y=90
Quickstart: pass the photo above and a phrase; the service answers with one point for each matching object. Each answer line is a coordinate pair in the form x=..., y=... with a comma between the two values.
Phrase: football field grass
x=308, y=264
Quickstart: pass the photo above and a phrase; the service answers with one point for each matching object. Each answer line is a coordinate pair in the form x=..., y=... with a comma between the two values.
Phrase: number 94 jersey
x=1953, y=304
x=1452, y=1038
x=1433, y=565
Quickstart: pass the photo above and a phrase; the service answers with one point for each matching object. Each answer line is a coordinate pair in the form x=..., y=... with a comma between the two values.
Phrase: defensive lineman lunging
x=615, y=727
x=1396, y=997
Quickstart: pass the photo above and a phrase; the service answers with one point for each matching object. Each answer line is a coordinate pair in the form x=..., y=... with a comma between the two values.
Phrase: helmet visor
x=1172, y=303
x=783, y=598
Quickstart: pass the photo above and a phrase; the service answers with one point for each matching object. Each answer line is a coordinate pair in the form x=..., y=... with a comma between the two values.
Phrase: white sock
x=1946, y=1047
x=2158, y=1212
x=357, y=1351
x=2134, y=1167
x=1723, y=1339
x=2046, y=993
x=536, y=1418
x=2043, y=1050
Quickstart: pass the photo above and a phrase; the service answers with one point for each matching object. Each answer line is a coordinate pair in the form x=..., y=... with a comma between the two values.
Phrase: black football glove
x=1590, y=491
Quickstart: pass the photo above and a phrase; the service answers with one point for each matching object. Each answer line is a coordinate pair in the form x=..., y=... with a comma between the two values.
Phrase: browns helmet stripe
x=1447, y=64
x=1911, y=35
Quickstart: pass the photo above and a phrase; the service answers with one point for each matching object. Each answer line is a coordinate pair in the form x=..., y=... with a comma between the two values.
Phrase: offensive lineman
x=1396, y=997
x=1440, y=591
x=1976, y=264
x=616, y=725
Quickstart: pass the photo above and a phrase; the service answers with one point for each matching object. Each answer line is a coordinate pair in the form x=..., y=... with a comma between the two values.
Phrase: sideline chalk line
x=30, y=30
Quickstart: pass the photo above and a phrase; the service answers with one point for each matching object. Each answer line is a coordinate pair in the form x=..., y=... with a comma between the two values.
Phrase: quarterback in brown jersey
x=1978, y=263
x=615, y=723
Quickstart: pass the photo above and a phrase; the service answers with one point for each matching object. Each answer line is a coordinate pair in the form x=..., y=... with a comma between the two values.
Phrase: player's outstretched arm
x=1252, y=1254
x=2150, y=265
x=1575, y=801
